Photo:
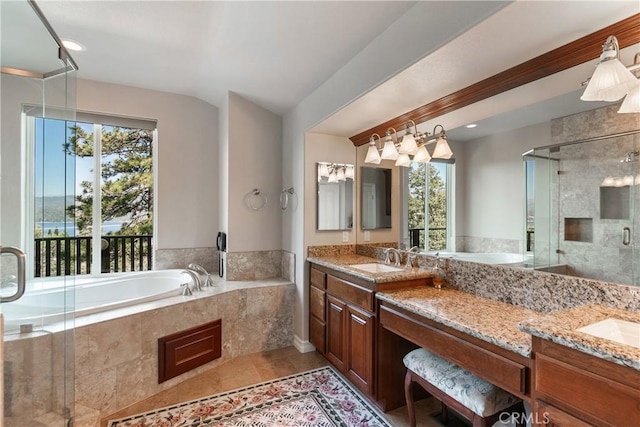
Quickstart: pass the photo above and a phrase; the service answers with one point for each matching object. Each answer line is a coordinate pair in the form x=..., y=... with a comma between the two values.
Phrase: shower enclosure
x=37, y=81
x=587, y=208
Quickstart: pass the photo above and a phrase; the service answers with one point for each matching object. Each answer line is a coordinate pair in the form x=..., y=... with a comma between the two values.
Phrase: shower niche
x=587, y=206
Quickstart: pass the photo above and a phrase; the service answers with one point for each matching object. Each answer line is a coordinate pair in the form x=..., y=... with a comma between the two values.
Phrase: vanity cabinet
x=572, y=388
x=342, y=322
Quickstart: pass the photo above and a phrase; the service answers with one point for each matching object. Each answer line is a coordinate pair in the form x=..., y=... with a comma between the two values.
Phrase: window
x=93, y=195
x=429, y=205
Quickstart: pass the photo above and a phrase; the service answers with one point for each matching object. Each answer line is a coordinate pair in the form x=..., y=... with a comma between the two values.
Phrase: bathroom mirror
x=335, y=196
x=376, y=198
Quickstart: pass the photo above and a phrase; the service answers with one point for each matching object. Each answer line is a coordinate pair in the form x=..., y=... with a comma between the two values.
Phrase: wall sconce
x=611, y=80
x=413, y=144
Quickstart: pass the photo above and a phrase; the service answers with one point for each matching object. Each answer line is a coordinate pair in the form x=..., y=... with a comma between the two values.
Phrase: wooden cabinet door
x=360, y=349
x=550, y=416
x=336, y=337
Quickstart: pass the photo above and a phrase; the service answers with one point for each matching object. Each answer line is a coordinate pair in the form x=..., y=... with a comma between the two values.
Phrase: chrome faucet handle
x=209, y=282
x=387, y=259
x=186, y=292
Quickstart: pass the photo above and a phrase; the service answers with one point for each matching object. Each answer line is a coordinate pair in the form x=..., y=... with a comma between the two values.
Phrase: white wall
x=187, y=187
x=325, y=148
x=255, y=161
x=490, y=182
x=403, y=43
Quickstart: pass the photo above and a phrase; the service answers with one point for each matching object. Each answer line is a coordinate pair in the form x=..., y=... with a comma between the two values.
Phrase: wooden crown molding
x=584, y=49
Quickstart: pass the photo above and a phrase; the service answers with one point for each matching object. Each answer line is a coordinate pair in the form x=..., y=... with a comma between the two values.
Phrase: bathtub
x=487, y=258
x=46, y=301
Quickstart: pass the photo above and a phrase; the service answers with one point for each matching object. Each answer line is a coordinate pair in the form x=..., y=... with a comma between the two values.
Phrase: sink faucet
x=197, y=286
x=200, y=270
x=396, y=255
x=411, y=256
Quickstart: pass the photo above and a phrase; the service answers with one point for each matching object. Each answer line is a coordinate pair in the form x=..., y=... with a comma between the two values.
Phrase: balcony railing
x=67, y=256
x=416, y=237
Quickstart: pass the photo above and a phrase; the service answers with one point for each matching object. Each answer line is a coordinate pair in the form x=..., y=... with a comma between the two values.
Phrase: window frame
x=29, y=115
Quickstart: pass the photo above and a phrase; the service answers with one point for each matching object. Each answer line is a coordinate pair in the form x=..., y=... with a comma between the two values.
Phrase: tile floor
x=266, y=366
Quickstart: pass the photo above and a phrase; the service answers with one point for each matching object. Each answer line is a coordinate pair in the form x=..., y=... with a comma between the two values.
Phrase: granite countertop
x=491, y=321
x=560, y=327
x=343, y=263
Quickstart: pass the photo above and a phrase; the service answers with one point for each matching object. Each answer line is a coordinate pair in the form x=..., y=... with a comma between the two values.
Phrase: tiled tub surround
x=181, y=258
x=561, y=328
x=116, y=361
x=258, y=265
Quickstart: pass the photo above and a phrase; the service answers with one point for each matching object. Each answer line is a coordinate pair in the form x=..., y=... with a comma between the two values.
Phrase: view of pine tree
x=127, y=179
x=437, y=204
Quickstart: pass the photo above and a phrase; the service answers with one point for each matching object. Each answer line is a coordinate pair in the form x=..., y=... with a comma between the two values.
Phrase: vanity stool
x=474, y=398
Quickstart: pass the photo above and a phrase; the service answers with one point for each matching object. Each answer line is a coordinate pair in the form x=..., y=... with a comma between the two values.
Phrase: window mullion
x=96, y=238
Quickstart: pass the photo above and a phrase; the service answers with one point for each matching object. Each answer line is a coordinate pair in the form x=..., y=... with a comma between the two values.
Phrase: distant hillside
x=54, y=208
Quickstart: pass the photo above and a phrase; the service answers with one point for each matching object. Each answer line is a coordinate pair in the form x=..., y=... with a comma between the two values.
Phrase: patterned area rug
x=314, y=398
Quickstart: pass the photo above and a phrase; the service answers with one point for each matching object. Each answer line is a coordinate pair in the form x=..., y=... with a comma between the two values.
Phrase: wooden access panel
x=186, y=350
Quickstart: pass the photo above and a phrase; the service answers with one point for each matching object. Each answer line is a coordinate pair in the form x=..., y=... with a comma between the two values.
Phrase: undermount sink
x=617, y=330
x=374, y=267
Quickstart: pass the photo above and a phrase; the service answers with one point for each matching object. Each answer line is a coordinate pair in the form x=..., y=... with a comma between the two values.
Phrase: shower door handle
x=626, y=236
x=22, y=279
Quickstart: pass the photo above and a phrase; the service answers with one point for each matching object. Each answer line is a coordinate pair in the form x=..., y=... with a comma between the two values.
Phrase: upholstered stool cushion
x=481, y=397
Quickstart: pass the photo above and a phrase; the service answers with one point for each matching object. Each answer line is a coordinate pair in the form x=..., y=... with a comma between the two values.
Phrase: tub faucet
x=200, y=270
x=396, y=256
x=197, y=286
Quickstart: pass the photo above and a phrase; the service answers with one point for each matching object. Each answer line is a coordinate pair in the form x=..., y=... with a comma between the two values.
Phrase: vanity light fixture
x=389, y=151
x=373, y=155
x=408, y=144
x=323, y=170
x=611, y=80
x=350, y=172
x=402, y=154
x=442, y=150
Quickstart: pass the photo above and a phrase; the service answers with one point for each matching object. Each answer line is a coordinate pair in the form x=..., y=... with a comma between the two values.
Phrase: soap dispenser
x=438, y=274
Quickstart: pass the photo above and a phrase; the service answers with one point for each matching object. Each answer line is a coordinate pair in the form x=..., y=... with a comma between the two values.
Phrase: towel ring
x=253, y=194
x=284, y=197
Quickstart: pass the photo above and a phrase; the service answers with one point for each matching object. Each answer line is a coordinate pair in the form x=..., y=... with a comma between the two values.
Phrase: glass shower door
x=587, y=212
x=37, y=79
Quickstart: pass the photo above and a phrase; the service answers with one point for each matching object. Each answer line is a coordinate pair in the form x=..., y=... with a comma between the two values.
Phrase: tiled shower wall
x=597, y=252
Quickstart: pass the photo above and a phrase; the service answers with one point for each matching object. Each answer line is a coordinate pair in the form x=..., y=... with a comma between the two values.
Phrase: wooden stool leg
x=444, y=413
x=408, y=395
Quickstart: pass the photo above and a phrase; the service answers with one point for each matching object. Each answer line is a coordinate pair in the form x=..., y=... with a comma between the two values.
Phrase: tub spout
x=200, y=270
x=197, y=286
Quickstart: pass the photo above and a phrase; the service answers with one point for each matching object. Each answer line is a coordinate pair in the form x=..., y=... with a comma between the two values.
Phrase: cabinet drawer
x=564, y=385
x=317, y=278
x=350, y=293
x=316, y=302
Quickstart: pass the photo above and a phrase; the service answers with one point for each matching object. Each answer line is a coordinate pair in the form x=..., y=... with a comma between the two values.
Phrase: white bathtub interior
x=52, y=300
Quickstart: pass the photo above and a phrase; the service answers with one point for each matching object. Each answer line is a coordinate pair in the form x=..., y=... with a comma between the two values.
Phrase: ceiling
x=275, y=53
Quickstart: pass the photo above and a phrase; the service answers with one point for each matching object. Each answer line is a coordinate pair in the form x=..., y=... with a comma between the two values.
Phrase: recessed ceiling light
x=471, y=125
x=73, y=45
